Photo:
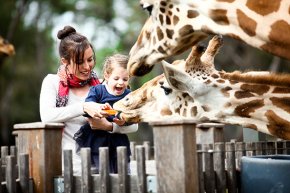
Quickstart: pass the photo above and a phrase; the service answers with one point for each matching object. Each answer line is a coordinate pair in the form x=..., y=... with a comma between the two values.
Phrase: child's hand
x=105, y=106
x=119, y=122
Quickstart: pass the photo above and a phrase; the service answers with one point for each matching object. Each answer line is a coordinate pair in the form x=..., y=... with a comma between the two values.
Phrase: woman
x=62, y=96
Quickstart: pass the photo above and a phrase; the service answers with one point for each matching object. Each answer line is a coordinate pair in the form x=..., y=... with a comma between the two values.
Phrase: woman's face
x=83, y=70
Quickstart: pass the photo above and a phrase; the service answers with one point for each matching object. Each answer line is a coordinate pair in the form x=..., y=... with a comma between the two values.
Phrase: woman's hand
x=95, y=110
x=100, y=124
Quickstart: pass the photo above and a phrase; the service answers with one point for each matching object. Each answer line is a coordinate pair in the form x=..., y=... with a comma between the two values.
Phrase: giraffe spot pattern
x=252, y=126
x=175, y=20
x=245, y=109
x=161, y=19
x=278, y=126
x=166, y=111
x=161, y=50
x=169, y=33
x=247, y=24
x=255, y=88
x=159, y=34
x=219, y=16
x=192, y=14
x=243, y=94
x=226, y=90
x=162, y=9
x=283, y=103
x=186, y=30
x=280, y=31
x=168, y=21
x=193, y=111
x=281, y=90
x=228, y=1
x=263, y=7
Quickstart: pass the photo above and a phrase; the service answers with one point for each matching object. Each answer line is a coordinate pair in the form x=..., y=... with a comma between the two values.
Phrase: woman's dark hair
x=72, y=45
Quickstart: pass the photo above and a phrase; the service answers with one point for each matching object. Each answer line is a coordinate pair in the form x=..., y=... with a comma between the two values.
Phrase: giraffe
x=194, y=89
x=174, y=26
x=6, y=48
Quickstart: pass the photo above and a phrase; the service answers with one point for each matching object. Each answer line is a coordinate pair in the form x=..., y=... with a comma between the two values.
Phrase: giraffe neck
x=265, y=27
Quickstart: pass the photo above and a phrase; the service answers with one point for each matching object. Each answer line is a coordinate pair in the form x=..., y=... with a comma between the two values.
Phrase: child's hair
x=113, y=61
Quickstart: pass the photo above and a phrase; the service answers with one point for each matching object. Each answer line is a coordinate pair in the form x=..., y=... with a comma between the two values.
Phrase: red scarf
x=71, y=81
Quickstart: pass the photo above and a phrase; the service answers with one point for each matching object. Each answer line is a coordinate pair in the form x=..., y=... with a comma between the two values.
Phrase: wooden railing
x=181, y=164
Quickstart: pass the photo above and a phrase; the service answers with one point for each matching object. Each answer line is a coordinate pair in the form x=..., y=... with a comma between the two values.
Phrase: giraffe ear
x=176, y=78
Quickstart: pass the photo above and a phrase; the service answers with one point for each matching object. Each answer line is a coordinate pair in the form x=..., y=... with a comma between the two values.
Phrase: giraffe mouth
x=139, y=69
x=130, y=117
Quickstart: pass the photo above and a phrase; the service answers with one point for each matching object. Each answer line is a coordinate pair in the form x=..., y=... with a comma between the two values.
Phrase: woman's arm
x=47, y=103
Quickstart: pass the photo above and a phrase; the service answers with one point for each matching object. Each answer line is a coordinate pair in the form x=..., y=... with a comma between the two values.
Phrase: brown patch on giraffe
x=186, y=30
x=148, y=34
x=277, y=126
x=161, y=50
x=226, y=90
x=175, y=20
x=160, y=34
x=177, y=111
x=215, y=76
x=208, y=81
x=170, y=13
x=161, y=19
x=279, y=39
x=221, y=81
x=162, y=9
x=163, y=3
x=219, y=16
x=169, y=33
x=192, y=14
x=233, y=36
x=243, y=94
x=228, y=104
x=263, y=7
x=168, y=21
x=245, y=109
x=281, y=90
x=165, y=111
x=281, y=102
x=139, y=41
x=251, y=126
x=205, y=108
x=255, y=88
x=247, y=24
x=193, y=111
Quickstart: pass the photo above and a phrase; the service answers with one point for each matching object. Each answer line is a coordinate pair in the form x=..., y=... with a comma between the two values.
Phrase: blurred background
x=111, y=25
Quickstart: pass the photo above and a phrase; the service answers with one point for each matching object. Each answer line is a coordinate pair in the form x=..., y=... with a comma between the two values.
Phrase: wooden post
x=209, y=133
x=175, y=155
x=42, y=142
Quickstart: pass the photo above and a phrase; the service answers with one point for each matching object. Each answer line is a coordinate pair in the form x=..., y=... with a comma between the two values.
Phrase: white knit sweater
x=70, y=115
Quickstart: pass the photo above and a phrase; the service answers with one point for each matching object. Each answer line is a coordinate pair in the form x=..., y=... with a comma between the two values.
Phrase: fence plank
x=133, y=151
x=219, y=167
x=209, y=169
x=231, y=167
x=240, y=152
x=141, y=169
x=24, y=172
x=68, y=171
x=4, y=154
x=123, y=170
x=104, y=170
x=11, y=174
x=147, y=147
x=86, y=170
x=200, y=169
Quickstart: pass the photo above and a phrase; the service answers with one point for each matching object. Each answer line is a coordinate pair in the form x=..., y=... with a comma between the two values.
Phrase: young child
x=114, y=88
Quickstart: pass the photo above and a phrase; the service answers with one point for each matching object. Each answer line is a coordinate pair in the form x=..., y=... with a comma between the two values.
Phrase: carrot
x=111, y=111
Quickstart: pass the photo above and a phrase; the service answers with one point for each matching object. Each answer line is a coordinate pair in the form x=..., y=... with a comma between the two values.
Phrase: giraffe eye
x=147, y=7
x=167, y=90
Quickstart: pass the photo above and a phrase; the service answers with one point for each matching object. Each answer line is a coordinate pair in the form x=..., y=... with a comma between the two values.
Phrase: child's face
x=118, y=80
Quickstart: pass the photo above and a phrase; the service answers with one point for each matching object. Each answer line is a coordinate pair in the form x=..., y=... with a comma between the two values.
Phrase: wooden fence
x=181, y=164
x=14, y=173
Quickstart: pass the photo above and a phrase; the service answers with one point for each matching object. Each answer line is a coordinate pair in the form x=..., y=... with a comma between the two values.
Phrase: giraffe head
x=164, y=34
x=6, y=48
x=174, y=26
x=194, y=89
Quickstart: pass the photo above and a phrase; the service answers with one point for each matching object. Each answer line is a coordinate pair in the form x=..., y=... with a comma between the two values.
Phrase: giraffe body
x=194, y=89
x=174, y=26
